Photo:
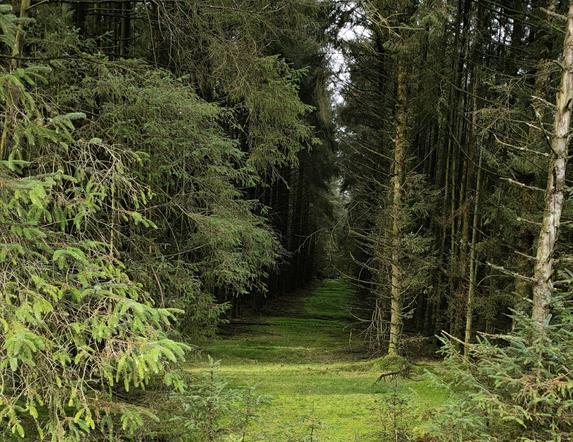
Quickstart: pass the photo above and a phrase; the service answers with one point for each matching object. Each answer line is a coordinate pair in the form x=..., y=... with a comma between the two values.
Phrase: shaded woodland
x=170, y=166
x=447, y=128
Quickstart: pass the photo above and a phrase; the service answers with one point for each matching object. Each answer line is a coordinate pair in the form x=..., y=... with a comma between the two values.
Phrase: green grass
x=302, y=357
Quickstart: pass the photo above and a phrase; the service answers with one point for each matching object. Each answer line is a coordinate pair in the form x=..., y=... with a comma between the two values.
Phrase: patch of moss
x=391, y=363
x=303, y=359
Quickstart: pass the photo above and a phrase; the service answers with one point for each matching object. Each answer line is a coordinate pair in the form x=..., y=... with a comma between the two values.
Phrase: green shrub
x=211, y=410
x=76, y=332
x=514, y=387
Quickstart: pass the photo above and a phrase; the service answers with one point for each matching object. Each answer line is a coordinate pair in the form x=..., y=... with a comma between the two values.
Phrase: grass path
x=302, y=357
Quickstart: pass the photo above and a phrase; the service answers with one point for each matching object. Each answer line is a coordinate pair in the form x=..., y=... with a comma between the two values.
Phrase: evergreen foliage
x=166, y=166
x=513, y=387
x=129, y=198
x=479, y=121
x=76, y=329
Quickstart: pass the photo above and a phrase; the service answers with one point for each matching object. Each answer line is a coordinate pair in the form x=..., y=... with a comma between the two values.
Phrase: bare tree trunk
x=536, y=138
x=397, y=189
x=554, y=193
x=473, y=261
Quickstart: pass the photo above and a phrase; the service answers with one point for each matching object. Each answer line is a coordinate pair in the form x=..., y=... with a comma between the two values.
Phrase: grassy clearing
x=302, y=357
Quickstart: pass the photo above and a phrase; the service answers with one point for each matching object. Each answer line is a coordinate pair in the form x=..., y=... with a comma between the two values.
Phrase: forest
x=286, y=220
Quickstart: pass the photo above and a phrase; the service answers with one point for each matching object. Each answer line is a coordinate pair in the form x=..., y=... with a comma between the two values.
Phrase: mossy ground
x=306, y=360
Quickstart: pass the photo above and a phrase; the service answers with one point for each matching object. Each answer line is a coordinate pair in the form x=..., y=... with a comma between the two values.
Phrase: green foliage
x=76, y=329
x=195, y=174
x=206, y=237
x=74, y=325
x=264, y=66
x=211, y=409
x=225, y=51
x=397, y=413
x=125, y=200
x=514, y=387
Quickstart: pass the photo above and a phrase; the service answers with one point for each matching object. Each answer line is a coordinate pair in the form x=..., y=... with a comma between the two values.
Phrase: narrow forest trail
x=304, y=359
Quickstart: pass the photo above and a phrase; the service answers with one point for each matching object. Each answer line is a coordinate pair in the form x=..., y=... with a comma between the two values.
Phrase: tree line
x=453, y=156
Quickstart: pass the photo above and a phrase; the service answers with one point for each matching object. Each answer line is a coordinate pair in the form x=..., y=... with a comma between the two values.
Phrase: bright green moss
x=316, y=377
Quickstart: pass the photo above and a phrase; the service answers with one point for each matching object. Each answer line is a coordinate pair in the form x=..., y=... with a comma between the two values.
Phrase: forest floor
x=304, y=358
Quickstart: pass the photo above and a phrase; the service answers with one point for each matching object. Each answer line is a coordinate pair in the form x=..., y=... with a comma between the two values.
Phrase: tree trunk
x=473, y=262
x=554, y=193
x=397, y=189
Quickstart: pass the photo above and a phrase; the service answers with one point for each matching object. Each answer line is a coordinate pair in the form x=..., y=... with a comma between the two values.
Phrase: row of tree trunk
x=471, y=94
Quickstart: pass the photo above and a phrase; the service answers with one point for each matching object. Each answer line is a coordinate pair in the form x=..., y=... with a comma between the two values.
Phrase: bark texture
x=397, y=189
x=554, y=193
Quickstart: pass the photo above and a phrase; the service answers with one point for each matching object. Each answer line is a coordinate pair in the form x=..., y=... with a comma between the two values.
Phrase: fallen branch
x=403, y=371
